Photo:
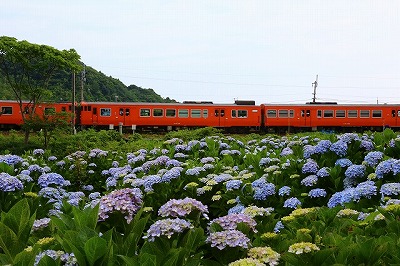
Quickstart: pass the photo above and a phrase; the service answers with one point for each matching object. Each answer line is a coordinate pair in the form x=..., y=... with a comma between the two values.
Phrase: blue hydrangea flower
x=11, y=159
x=355, y=171
x=339, y=147
x=40, y=224
x=286, y=151
x=233, y=184
x=182, y=207
x=230, y=221
x=238, y=208
x=310, y=167
x=10, y=183
x=309, y=181
x=293, y=203
x=323, y=172
x=167, y=227
x=367, y=145
x=38, y=152
x=46, y=180
x=343, y=162
x=390, y=189
x=322, y=146
x=373, y=158
x=278, y=226
x=284, y=191
x=149, y=181
x=262, y=189
x=367, y=189
x=384, y=168
x=308, y=150
x=317, y=193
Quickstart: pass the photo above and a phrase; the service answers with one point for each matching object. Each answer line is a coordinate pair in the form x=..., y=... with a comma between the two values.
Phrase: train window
x=216, y=113
x=89, y=108
x=308, y=113
x=205, y=113
x=63, y=109
x=364, y=113
x=6, y=110
x=291, y=113
x=283, y=113
x=377, y=113
x=196, y=113
x=158, y=112
x=170, y=113
x=352, y=113
x=233, y=113
x=398, y=113
x=70, y=107
x=105, y=111
x=95, y=110
x=340, y=113
x=242, y=113
x=183, y=113
x=302, y=113
x=222, y=113
x=144, y=112
x=49, y=110
x=127, y=111
x=271, y=113
x=328, y=113
x=121, y=111
x=319, y=113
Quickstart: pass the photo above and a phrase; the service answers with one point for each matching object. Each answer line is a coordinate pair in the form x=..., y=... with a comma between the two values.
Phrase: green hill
x=97, y=87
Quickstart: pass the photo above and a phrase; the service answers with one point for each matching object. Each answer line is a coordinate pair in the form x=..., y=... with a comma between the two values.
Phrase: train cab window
x=340, y=113
x=352, y=113
x=127, y=111
x=105, y=111
x=283, y=113
x=183, y=113
x=222, y=113
x=205, y=113
x=144, y=112
x=364, y=113
x=233, y=113
x=376, y=113
x=291, y=113
x=242, y=113
x=319, y=113
x=121, y=111
x=49, y=110
x=158, y=112
x=95, y=110
x=196, y=113
x=6, y=110
x=271, y=113
x=170, y=113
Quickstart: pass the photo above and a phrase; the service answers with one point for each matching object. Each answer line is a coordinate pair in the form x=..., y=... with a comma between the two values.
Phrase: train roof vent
x=245, y=102
x=197, y=102
x=321, y=103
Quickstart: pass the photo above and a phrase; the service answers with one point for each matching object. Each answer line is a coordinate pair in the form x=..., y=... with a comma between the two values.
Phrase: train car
x=11, y=115
x=170, y=116
x=330, y=116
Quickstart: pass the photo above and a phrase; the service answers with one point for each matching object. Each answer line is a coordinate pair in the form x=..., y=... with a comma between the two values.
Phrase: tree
x=27, y=69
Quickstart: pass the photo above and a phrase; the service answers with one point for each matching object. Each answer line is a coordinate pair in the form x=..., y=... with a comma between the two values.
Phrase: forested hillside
x=96, y=87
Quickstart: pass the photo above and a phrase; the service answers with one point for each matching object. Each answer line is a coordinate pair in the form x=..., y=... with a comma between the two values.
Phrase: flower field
x=291, y=200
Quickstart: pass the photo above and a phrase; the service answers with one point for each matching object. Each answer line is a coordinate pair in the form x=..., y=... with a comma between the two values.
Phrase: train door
x=396, y=117
x=95, y=116
x=124, y=114
x=220, y=114
x=306, y=116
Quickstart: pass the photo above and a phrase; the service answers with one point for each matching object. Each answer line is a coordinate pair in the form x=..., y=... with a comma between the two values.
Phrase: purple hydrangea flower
x=233, y=184
x=167, y=227
x=284, y=191
x=278, y=226
x=46, y=180
x=308, y=150
x=10, y=183
x=127, y=201
x=262, y=189
x=355, y=171
x=317, y=193
x=293, y=203
x=389, y=189
x=339, y=147
x=309, y=181
x=343, y=162
x=230, y=221
x=182, y=207
x=384, y=167
x=11, y=159
x=40, y=224
x=228, y=238
x=373, y=158
x=286, y=151
x=310, y=167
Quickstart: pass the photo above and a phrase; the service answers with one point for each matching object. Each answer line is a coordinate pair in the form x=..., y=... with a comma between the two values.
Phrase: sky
x=226, y=50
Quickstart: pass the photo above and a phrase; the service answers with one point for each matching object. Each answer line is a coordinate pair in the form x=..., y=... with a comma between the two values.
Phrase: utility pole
x=83, y=80
x=315, y=84
x=73, y=103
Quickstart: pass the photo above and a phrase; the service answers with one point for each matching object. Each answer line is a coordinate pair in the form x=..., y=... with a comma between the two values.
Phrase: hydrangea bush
x=292, y=200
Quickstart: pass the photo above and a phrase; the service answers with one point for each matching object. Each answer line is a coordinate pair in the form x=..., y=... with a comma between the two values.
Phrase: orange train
x=242, y=116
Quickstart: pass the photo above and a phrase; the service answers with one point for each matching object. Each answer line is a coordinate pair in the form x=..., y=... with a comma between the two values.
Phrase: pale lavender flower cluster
x=308, y=150
x=264, y=161
x=278, y=226
x=66, y=258
x=97, y=153
x=207, y=160
x=40, y=224
x=373, y=158
x=127, y=201
x=323, y=172
x=182, y=207
x=38, y=152
x=367, y=145
x=75, y=197
x=230, y=221
x=46, y=180
x=349, y=137
x=310, y=167
x=365, y=189
x=292, y=202
x=53, y=194
x=230, y=238
x=167, y=227
x=309, y=181
x=150, y=181
x=172, y=173
x=286, y=151
x=10, y=183
x=173, y=163
x=389, y=189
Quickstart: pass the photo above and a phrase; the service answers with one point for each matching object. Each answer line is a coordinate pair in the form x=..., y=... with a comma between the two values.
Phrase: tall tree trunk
x=26, y=140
